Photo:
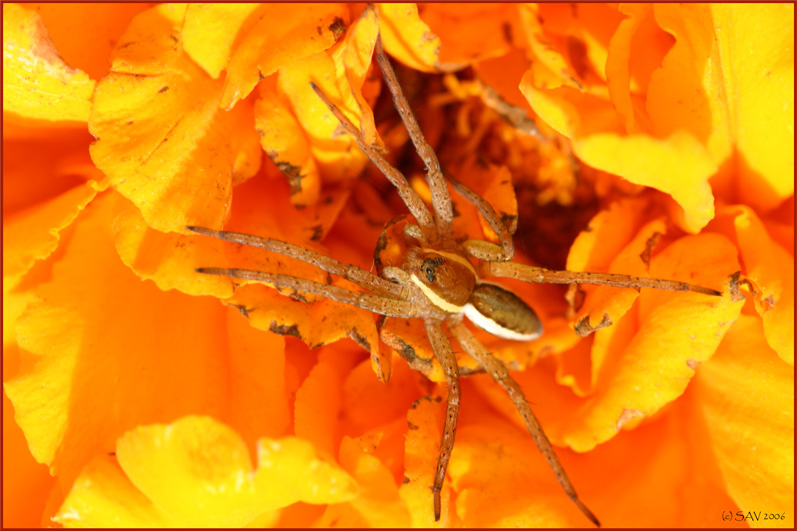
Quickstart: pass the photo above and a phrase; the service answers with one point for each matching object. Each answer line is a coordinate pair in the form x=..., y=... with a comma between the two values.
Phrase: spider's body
x=440, y=278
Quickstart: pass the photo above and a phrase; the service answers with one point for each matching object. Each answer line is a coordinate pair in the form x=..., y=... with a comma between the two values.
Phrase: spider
x=441, y=281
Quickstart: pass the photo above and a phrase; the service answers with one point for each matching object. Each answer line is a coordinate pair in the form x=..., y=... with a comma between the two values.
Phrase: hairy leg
x=367, y=301
x=408, y=195
x=529, y=273
x=441, y=202
x=445, y=355
x=498, y=372
x=352, y=273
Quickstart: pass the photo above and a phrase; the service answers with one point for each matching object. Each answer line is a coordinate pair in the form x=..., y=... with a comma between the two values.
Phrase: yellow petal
x=37, y=83
x=407, y=38
x=161, y=134
x=104, y=497
x=729, y=80
x=198, y=472
x=291, y=470
x=744, y=403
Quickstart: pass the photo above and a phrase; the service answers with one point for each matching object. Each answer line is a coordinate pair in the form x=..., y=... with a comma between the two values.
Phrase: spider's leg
x=478, y=248
x=498, y=372
x=441, y=202
x=408, y=195
x=541, y=275
x=367, y=301
x=361, y=277
x=445, y=355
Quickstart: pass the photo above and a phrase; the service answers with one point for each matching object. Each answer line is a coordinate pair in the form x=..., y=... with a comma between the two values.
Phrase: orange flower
x=640, y=139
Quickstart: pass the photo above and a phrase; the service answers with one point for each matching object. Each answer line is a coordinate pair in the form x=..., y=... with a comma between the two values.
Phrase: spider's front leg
x=541, y=275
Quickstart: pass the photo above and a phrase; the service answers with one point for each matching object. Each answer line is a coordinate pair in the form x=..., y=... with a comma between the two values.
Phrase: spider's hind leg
x=498, y=372
x=445, y=355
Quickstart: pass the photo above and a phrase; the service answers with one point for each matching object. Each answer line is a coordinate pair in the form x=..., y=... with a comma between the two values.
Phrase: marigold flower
x=649, y=140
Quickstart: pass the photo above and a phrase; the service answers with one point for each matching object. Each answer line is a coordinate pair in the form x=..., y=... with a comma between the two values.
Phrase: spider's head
x=445, y=278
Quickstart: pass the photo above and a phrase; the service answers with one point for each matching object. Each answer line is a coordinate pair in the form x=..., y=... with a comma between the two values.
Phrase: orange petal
x=85, y=33
x=502, y=481
x=471, y=32
x=210, y=30
x=661, y=473
x=369, y=404
x=637, y=380
x=317, y=409
x=37, y=83
x=425, y=421
x=744, y=398
x=27, y=483
x=604, y=303
x=686, y=125
x=33, y=234
x=277, y=35
x=771, y=269
x=553, y=69
x=94, y=334
x=286, y=144
x=340, y=73
x=618, y=72
x=29, y=178
x=379, y=504
x=161, y=134
x=299, y=133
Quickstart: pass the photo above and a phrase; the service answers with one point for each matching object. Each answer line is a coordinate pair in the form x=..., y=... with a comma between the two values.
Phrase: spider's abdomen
x=446, y=279
x=497, y=310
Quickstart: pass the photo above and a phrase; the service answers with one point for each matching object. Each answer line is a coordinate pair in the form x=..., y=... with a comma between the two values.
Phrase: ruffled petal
x=275, y=35
x=33, y=234
x=299, y=133
x=197, y=471
x=161, y=134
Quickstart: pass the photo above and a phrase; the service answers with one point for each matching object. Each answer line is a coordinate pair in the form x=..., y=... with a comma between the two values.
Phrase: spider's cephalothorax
x=439, y=280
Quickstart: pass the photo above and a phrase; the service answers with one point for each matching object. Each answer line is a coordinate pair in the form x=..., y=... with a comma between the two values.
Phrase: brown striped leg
x=541, y=275
x=408, y=195
x=496, y=369
x=445, y=355
x=367, y=301
x=352, y=273
x=490, y=252
x=441, y=202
